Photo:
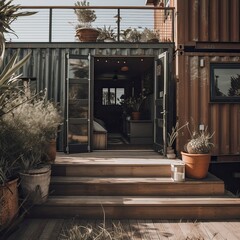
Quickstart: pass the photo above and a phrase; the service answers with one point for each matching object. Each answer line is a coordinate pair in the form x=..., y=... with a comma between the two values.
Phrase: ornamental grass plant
x=28, y=124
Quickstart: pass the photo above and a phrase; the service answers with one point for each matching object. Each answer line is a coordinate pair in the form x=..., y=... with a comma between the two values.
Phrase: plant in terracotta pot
x=32, y=122
x=9, y=158
x=8, y=155
x=196, y=155
x=86, y=16
x=133, y=104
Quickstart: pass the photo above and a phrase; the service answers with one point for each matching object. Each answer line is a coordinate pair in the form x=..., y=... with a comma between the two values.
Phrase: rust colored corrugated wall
x=193, y=102
x=208, y=30
x=207, y=21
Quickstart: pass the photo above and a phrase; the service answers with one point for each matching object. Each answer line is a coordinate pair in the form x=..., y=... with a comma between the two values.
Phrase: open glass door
x=160, y=103
x=78, y=104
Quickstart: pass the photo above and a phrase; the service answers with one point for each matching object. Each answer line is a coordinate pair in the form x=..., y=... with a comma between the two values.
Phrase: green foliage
x=8, y=14
x=85, y=15
x=149, y=35
x=174, y=133
x=27, y=125
x=107, y=33
x=133, y=103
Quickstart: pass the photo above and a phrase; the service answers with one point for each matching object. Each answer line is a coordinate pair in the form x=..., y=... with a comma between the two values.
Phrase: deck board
x=52, y=229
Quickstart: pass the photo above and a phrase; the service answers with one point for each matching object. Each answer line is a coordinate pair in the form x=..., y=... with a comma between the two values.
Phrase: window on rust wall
x=225, y=82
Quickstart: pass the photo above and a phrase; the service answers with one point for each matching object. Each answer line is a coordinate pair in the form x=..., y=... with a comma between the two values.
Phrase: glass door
x=78, y=105
x=160, y=103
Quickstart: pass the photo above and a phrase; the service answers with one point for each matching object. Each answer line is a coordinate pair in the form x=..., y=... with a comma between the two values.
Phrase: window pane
x=78, y=91
x=79, y=68
x=78, y=133
x=119, y=94
x=225, y=82
x=105, y=96
x=112, y=96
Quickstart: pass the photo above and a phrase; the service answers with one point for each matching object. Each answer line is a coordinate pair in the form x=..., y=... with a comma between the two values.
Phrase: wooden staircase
x=139, y=188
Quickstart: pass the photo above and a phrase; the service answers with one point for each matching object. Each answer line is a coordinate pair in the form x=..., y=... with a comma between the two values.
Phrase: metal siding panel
x=187, y=20
x=48, y=66
x=193, y=103
x=215, y=127
x=195, y=98
x=207, y=20
x=180, y=94
x=225, y=127
x=194, y=6
x=234, y=21
x=224, y=21
x=204, y=20
x=180, y=22
x=214, y=21
x=204, y=92
x=234, y=129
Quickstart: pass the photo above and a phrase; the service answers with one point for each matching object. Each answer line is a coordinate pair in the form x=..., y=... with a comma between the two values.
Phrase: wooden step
x=139, y=207
x=113, y=167
x=74, y=186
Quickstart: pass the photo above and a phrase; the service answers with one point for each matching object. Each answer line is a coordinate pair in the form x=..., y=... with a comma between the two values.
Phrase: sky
x=71, y=2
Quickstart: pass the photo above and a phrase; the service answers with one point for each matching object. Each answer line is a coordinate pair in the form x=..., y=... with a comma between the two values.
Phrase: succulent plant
x=200, y=142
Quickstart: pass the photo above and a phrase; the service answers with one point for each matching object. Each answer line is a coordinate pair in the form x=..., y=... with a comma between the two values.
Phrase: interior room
x=116, y=79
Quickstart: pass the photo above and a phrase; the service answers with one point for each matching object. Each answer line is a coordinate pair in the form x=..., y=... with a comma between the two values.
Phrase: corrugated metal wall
x=193, y=102
x=47, y=64
x=207, y=21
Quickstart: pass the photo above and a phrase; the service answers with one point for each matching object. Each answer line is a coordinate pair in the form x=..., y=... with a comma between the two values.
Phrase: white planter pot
x=35, y=184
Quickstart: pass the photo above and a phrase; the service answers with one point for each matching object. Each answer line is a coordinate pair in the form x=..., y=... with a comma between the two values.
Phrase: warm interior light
x=124, y=68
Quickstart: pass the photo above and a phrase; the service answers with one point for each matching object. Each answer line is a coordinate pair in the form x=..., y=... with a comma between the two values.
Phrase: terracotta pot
x=8, y=202
x=87, y=34
x=135, y=115
x=51, y=151
x=196, y=165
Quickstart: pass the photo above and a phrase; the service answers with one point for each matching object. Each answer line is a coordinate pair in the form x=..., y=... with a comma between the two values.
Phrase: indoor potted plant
x=133, y=104
x=84, y=30
x=196, y=154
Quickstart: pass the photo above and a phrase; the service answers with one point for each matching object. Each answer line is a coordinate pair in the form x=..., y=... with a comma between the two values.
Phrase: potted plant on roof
x=107, y=34
x=131, y=35
x=196, y=155
x=149, y=35
x=84, y=30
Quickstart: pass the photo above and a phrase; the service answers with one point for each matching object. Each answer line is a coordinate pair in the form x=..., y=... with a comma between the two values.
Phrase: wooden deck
x=53, y=229
x=83, y=184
